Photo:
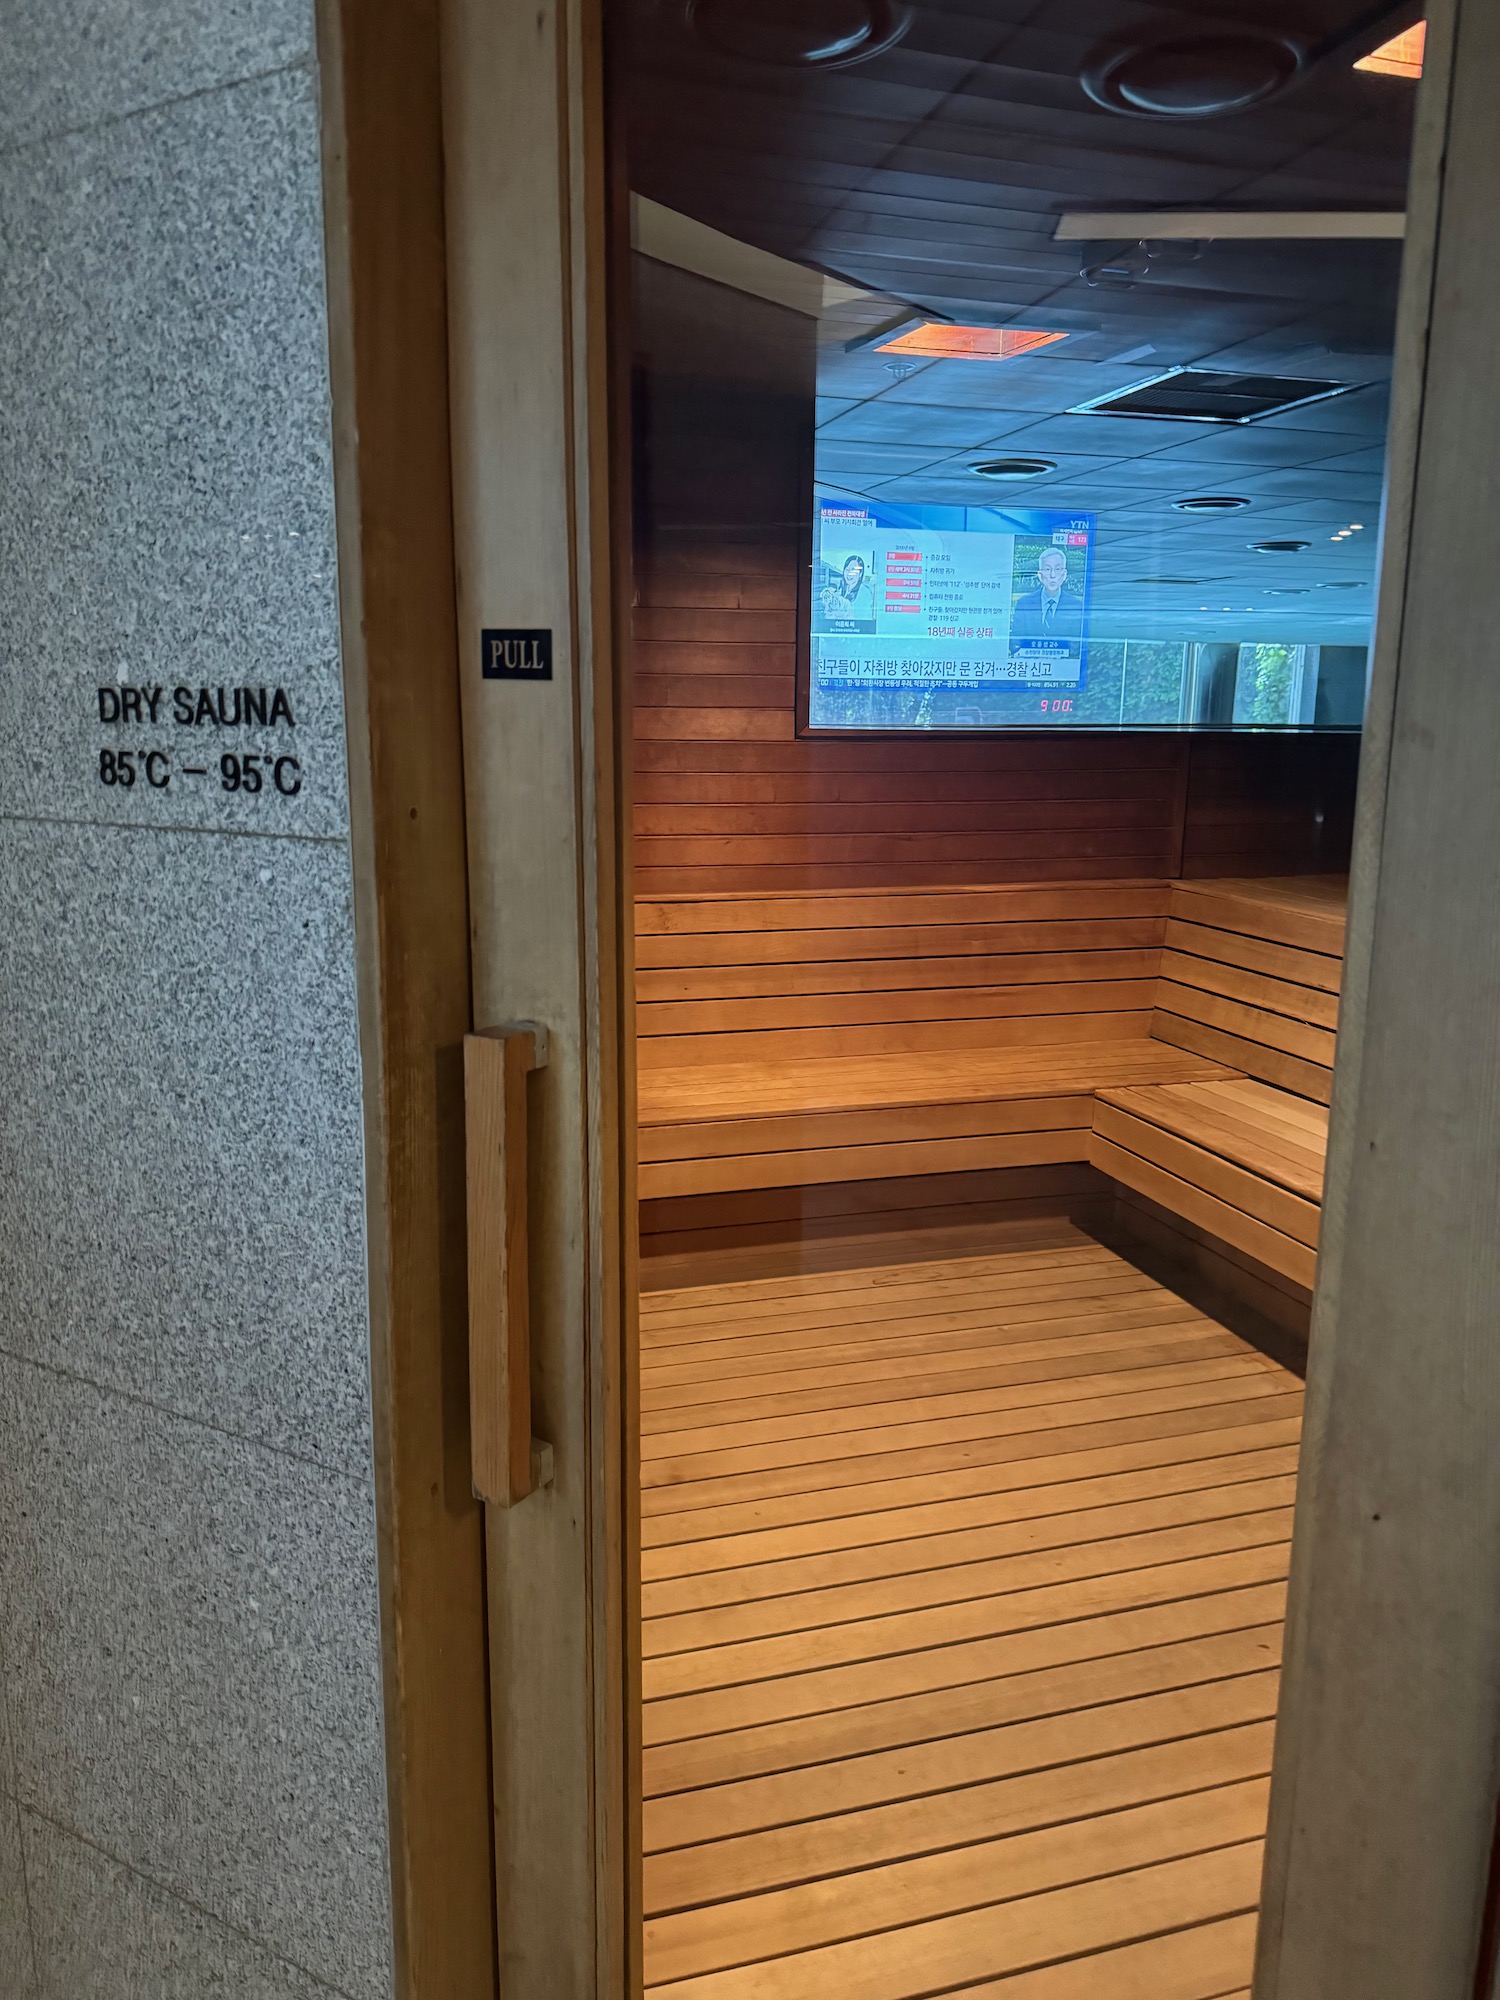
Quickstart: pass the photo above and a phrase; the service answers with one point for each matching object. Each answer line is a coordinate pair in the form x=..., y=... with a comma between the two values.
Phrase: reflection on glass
x=919, y=613
x=1211, y=524
x=994, y=351
x=1401, y=56
x=1002, y=382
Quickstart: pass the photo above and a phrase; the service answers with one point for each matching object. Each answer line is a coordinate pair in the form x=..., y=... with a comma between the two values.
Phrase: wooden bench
x=827, y=1036
x=1250, y=975
x=1177, y=1036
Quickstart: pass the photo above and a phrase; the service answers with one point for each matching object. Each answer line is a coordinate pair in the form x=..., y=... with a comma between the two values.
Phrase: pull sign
x=517, y=655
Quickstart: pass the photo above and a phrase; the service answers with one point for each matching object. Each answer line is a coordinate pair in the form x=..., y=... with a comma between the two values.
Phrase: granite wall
x=192, y=1783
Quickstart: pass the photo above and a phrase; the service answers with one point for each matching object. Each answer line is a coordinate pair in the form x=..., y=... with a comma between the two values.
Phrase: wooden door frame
x=1387, y=1766
x=535, y=485
x=386, y=263
x=414, y=351
x=1378, y=1860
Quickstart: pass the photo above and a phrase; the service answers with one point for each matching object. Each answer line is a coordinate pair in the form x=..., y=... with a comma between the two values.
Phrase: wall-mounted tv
x=919, y=615
x=933, y=618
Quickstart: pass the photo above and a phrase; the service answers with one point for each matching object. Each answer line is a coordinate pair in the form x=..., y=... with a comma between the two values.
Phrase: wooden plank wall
x=863, y=1215
x=728, y=798
x=1269, y=805
x=1251, y=977
x=746, y=979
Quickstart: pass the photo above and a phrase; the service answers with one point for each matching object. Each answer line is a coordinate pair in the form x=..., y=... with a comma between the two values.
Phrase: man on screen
x=1051, y=611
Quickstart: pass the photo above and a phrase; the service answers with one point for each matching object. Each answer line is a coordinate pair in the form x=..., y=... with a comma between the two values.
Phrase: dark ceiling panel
x=934, y=173
x=981, y=108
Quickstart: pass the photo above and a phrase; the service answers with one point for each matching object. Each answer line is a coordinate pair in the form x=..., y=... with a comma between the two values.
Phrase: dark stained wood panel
x=1270, y=805
x=757, y=1232
x=728, y=797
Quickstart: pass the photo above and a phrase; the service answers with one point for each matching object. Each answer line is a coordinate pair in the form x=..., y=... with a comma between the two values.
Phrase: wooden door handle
x=508, y=1463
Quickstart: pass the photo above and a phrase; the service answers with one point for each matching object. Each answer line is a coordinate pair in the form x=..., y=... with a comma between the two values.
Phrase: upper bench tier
x=1250, y=976
x=833, y=1036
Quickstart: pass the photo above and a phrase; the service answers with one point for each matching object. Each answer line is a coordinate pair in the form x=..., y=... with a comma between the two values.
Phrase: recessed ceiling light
x=1211, y=503
x=1204, y=75
x=1400, y=56
x=799, y=34
x=939, y=341
x=1014, y=468
x=1279, y=548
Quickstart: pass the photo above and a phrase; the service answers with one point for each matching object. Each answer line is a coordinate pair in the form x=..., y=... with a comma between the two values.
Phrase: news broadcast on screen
x=931, y=616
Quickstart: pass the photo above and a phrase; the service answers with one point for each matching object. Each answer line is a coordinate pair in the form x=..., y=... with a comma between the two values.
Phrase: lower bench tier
x=711, y=1130
x=1238, y=1159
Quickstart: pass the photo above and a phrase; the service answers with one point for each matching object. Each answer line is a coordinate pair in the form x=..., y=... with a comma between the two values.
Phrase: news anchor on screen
x=1051, y=611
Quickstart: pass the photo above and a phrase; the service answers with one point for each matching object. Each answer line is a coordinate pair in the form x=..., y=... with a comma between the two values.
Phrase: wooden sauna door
x=528, y=309
x=536, y=516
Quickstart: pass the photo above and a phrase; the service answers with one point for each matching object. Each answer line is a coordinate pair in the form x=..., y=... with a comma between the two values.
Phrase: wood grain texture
x=815, y=1039
x=717, y=1127
x=1182, y=1193
x=795, y=1039
x=934, y=1076
x=1246, y=1023
x=1192, y=1254
x=1250, y=973
x=529, y=317
x=858, y=911
x=497, y=1063
x=1003, y=1726
x=388, y=353
x=779, y=1051
x=1240, y=1052
x=1317, y=970
x=1257, y=989
x=1159, y=1137
x=1307, y=911
x=1281, y=1139
x=793, y=1132
x=729, y=797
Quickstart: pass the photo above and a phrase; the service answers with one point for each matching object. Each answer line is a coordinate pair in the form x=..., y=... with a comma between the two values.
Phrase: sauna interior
x=986, y=1012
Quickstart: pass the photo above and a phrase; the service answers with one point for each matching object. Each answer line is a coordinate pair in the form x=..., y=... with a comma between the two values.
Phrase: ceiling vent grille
x=1212, y=396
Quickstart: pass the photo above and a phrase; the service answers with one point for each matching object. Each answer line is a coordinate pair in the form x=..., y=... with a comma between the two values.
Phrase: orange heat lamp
x=934, y=340
x=1400, y=56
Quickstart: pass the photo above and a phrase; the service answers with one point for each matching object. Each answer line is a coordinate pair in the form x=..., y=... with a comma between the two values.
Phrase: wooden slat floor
x=962, y=1603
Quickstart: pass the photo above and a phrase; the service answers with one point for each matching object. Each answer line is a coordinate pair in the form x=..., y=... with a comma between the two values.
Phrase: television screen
x=941, y=616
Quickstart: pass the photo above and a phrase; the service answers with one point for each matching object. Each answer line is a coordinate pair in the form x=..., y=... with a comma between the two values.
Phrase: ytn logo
x=517, y=655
